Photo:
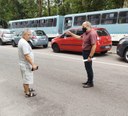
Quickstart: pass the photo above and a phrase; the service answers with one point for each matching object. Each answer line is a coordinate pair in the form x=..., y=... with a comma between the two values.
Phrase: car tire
x=126, y=55
x=31, y=44
x=56, y=48
x=13, y=44
x=1, y=42
x=45, y=46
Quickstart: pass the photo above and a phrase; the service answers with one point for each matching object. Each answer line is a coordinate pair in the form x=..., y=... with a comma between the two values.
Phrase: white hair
x=25, y=31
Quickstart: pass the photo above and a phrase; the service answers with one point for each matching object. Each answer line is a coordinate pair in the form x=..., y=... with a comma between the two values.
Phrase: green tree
x=20, y=9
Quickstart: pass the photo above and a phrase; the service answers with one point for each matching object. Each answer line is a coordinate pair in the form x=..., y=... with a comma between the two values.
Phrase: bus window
x=42, y=22
x=38, y=23
x=35, y=23
x=123, y=17
x=78, y=20
x=21, y=24
x=109, y=18
x=18, y=25
x=68, y=22
x=49, y=23
x=54, y=22
x=94, y=19
x=26, y=23
x=31, y=23
x=13, y=25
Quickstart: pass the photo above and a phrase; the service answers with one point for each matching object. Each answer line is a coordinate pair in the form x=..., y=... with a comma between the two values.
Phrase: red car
x=69, y=43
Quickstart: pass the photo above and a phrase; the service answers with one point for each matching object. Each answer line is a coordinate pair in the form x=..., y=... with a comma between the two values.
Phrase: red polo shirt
x=89, y=39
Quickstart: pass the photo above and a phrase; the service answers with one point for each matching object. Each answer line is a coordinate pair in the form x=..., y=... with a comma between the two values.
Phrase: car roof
x=36, y=30
x=96, y=28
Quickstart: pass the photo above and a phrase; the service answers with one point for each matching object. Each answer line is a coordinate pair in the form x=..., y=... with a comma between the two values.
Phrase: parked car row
x=38, y=38
x=66, y=42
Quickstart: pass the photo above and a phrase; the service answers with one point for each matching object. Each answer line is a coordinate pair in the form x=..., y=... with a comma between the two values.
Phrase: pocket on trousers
x=22, y=67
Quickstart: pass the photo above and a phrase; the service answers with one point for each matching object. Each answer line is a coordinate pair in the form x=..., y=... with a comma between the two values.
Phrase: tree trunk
x=40, y=7
x=125, y=5
x=49, y=10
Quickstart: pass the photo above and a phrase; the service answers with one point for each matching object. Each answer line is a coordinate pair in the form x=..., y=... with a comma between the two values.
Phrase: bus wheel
x=13, y=44
x=55, y=48
x=126, y=55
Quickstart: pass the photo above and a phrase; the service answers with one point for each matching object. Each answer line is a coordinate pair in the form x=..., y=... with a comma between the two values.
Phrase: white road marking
x=67, y=57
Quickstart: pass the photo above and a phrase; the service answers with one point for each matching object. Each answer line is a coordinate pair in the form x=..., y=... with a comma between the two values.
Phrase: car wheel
x=126, y=55
x=1, y=42
x=31, y=44
x=45, y=46
x=13, y=44
x=55, y=48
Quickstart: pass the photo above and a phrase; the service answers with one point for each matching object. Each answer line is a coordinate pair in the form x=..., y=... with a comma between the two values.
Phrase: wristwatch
x=90, y=56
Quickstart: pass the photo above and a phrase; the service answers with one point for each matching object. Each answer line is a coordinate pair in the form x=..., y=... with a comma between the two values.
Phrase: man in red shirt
x=89, y=38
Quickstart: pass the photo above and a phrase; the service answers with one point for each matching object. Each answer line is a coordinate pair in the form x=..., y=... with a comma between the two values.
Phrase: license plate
x=107, y=46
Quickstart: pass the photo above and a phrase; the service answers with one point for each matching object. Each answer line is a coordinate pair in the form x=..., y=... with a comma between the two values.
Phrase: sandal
x=30, y=94
x=31, y=90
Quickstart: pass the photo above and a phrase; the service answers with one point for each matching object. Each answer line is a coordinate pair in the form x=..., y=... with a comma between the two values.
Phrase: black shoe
x=85, y=83
x=88, y=85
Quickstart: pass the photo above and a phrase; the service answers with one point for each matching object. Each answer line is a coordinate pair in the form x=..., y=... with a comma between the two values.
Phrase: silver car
x=6, y=36
x=38, y=38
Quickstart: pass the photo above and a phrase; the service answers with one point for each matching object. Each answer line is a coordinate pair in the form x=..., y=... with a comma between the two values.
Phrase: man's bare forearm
x=92, y=50
x=29, y=59
x=74, y=35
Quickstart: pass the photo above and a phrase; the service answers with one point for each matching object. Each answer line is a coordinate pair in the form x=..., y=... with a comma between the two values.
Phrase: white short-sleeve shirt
x=24, y=48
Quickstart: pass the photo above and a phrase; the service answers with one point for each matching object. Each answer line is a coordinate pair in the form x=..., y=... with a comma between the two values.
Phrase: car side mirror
x=63, y=36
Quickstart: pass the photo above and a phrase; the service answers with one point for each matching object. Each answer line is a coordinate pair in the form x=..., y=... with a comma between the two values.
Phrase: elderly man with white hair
x=89, y=38
x=26, y=62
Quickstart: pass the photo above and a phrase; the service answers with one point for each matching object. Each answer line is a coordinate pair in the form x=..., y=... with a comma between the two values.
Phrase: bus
x=114, y=20
x=51, y=25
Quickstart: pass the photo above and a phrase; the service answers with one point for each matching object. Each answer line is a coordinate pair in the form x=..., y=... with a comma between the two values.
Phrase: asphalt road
x=58, y=84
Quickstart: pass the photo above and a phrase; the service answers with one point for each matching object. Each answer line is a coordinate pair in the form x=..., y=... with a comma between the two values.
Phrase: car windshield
x=79, y=32
x=102, y=32
x=39, y=33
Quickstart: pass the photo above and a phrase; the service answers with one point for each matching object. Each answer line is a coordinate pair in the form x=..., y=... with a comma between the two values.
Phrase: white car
x=6, y=36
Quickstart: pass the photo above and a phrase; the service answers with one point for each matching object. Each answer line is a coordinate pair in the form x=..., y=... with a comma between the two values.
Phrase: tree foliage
x=20, y=9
